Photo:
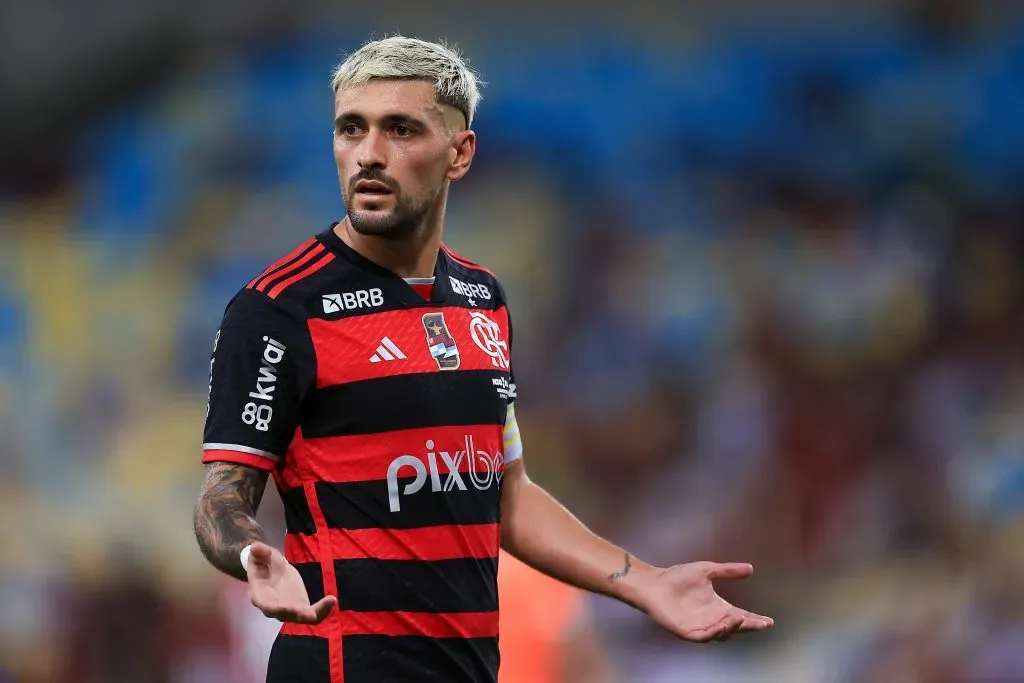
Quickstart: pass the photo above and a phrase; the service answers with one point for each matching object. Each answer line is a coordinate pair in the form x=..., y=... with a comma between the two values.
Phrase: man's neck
x=415, y=256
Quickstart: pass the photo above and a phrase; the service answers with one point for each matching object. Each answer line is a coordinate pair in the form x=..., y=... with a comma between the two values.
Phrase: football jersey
x=386, y=419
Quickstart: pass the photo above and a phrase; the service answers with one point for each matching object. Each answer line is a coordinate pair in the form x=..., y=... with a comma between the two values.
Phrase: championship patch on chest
x=440, y=341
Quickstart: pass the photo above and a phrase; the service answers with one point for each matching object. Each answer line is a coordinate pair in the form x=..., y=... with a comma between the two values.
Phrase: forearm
x=541, y=532
x=225, y=515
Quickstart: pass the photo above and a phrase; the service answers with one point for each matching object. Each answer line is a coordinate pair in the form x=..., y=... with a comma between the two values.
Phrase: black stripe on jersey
x=302, y=659
x=440, y=586
x=420, y=659
x=430, y=399
x=313, y=578
x=297, y=517
x=275, y=272
x=366, y=505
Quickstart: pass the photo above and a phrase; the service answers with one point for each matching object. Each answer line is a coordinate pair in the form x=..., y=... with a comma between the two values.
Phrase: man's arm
x=225, y=514
x=540, y=532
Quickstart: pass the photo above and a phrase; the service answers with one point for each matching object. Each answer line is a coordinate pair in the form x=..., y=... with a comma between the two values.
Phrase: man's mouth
x=372, y=187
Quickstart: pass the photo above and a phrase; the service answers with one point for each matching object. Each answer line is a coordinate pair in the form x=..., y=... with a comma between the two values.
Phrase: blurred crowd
x=768, y=297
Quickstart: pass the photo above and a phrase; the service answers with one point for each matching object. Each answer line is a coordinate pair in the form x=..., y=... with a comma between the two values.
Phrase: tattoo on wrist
x=625, y=570
x=225, y=515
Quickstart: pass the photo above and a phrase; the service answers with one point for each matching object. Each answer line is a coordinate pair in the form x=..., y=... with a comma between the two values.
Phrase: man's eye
x=350, y=129
x=402, y=130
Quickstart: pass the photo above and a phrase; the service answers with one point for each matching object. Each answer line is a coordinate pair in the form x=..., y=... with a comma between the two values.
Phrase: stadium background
x=766, y=266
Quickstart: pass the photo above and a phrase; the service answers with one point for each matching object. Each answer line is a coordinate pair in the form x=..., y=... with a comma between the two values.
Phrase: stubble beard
x=404, y=220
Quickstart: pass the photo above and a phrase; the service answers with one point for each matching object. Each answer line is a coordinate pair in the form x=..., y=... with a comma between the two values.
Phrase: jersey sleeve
x=512, y=440
x=511, y=355
x=261, y=367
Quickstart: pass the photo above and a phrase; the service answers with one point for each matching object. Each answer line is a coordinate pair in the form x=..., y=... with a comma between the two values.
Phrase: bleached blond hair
x=398, y=57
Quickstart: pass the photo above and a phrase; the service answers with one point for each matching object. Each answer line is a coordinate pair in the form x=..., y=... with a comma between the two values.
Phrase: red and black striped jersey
x=381, y=415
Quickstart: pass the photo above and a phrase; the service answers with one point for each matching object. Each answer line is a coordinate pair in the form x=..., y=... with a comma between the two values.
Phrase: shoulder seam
x=284, y=307
x=281, y=264
x=465, y=262
x=319, y=258
x=271, y=282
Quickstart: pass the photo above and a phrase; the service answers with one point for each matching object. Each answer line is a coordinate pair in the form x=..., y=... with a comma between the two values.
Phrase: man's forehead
x=383, y=97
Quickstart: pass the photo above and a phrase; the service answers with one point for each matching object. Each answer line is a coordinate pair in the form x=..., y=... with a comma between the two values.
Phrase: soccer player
x=369, y=372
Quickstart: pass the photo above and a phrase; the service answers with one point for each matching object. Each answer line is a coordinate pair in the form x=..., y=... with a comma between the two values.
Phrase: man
x=369, y=371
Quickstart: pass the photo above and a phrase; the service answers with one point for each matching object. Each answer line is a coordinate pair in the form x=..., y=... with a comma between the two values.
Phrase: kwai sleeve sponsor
x=260, y=369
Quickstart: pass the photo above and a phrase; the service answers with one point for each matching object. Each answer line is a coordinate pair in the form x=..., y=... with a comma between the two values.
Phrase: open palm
x=683, y=601
x=276, y=588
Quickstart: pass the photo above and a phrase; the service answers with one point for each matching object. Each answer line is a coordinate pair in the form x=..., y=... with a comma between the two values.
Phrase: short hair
x=398, y=57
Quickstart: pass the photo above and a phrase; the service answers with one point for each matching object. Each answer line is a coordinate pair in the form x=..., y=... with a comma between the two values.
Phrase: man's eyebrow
x=348, y=117
x=388, y=120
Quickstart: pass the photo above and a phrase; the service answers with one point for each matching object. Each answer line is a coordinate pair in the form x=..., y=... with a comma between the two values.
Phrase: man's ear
x=462, y=152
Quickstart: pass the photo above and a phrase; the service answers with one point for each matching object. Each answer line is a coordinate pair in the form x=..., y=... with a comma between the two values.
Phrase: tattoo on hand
x=625, y=570
x=225, y=515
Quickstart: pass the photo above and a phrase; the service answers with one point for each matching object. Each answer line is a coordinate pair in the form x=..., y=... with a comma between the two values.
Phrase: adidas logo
x=387, y=351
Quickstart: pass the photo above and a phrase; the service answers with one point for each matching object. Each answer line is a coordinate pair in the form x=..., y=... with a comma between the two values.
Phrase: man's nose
x=372, y=151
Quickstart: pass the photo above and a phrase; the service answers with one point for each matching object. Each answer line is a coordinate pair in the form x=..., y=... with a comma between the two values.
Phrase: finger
x=753, y=622
x=730, y=625
x=724, y=628
x=701, y=636
x=730, y=570
x=277, y=610
x=293, y=615
x=323, y=608
x=733, y=624
x=260, y=553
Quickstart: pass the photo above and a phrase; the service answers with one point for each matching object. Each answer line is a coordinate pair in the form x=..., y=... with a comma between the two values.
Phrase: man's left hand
x=682, y=600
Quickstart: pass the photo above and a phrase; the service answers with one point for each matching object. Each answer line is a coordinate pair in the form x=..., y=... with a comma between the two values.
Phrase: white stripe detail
x=392, y=347
x=513, y=443
x=420, y=280
x=387, y=350
x=240, y=449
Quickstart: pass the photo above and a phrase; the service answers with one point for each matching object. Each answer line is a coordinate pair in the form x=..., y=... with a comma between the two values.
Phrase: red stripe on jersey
x=457, y=625
x=460, y=625
x=281, y=262
x=463, y=261
x=330, y=584
x=354, y=349
x=301, y=548
x=428, y=544
x=426, y=291
x=302, y=274
x=324, y=629
x=318, y=249
x=366, y=457
x=238, y=458
x=289, y=476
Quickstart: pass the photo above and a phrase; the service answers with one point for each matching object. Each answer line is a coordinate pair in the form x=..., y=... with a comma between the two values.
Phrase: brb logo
x=485, y=470
x=363, y=298
x=260, y=414
x=487, y=335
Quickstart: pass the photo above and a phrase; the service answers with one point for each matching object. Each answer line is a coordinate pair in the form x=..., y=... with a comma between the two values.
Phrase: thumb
x=260, y=553
x=730, y=570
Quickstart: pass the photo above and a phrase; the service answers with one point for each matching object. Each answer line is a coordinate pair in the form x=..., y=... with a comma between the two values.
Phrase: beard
x=405, y=219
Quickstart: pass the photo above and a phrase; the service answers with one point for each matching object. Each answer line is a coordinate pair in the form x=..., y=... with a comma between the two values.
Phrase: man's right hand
x=276, y=589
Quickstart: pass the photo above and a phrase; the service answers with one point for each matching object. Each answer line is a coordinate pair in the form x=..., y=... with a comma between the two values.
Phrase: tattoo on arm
x=225, y=515
x=625, y=570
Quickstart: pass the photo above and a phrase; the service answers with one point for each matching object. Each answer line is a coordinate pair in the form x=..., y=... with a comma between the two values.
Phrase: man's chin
x=380, y=223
